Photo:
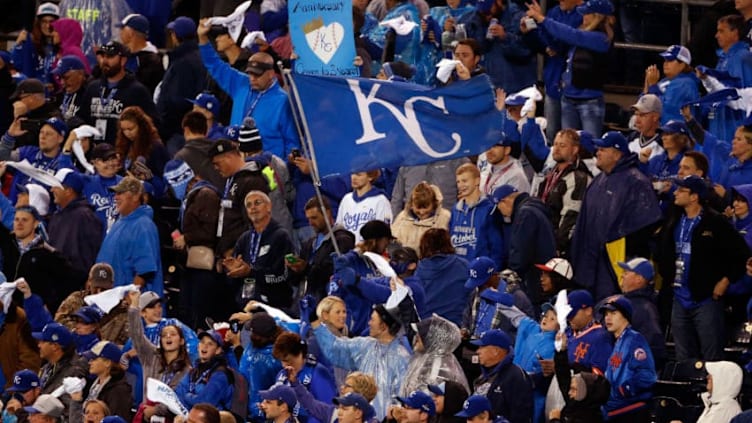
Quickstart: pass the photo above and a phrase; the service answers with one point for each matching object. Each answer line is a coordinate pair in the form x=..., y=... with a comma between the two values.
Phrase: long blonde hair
x=602, y=23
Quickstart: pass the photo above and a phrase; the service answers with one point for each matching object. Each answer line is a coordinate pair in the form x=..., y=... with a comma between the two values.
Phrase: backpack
x=239, y=402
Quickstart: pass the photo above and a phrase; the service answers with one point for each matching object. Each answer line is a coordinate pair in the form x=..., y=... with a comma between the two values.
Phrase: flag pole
x=307, y=144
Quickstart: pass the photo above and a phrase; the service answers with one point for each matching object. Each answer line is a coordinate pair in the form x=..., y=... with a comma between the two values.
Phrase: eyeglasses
x=255, y=203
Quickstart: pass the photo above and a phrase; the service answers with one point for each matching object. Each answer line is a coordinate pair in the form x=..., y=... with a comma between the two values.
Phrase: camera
x=31, y=125
x=234, y=326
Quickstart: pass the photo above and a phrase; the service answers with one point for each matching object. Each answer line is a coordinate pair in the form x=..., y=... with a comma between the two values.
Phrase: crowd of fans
x=435, y=292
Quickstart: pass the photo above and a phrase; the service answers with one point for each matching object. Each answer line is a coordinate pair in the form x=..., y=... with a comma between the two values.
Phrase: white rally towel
x=6, y=292
x=34, y=173
x=161, y=393
x=382, y=265
x=233, y=22
x=69, y=386
x=401, y=25
x=446, y=67
x=562, y=308
x=109, y=299
x=276, y=313
x=251, y=37
x=532, y=94
x=84, y=131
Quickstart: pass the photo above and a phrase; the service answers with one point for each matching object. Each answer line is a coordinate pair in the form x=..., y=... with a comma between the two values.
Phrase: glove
x=348, y=277
x=339, y=261
x=141, y=171
x=494, y=296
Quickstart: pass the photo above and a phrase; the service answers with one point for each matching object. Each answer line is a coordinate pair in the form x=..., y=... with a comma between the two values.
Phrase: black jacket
x=76, y=232
x=589, y=409
x=645, y=319
x=184, y=79
x=248, y=178
x=509, y=389
x=52, y=375
x=150, y=70
x=98, y=106
x=116, y=393
x=320, y=266
x=718, y=251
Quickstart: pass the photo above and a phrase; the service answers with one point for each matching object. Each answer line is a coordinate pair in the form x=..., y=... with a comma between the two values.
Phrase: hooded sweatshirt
x=721, y=404
x=71, y=36
x=443, y=277
x=474, y=234
x=355, y=211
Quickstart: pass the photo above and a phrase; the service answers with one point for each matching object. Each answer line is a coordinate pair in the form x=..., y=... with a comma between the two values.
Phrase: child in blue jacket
x=679, y=85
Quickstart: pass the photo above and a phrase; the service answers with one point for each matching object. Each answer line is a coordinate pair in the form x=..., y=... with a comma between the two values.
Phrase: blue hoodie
x=443, y=277
x=474, y=233
x=131, y=247
x=674, y=92
x=631, y=373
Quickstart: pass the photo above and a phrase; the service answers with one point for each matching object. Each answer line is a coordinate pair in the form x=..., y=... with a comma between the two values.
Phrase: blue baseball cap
x=358, y=401
x=502, y=192
x=495, y=338
x=58, y=125
x=282, y=393
x=214, y=335
x=613, y=139
x=68, y=63
x=505, y=140
x=419, y=400
x=603, y=7
x=183, y=26
x=587, y=141
x=439, y=389
x=481, y=268
x=579, y=299
x=473, y=406
x=207, y=101
x=24, y=380
x=675, y=127
x=89, y=314
x=54, y=332
x=104, y=349
x=639, y=265
x=113, y=419
x=679, y=53
x=618, y=303
x=232, y=132
x=136, y=22
x=696, y=185
x=515, y=100
x=71, y=179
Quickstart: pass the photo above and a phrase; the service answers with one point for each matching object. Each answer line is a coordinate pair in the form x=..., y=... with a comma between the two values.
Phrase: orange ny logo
x=615, y=360
x=581, y=351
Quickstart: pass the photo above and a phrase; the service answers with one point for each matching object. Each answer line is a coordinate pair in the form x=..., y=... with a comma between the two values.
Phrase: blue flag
x=322, y=33
x=359, y=124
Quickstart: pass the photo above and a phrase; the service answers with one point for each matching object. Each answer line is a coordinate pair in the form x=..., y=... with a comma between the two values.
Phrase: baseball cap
x=249, y=136
x=677, y=52
x=58, y=125
x=282, y=393
x=675, y=127
x=587, y=141
x=502, y=192
x=257, y=67
x=183, y=26
x=104, y=349
x=89, y=314
x=68, y=63
x=639, y=265
x=207, y=101
x=439, y=389
x=515, y=100
x=128, y=184
x=358, y=401
x=71, y=179
x=113, y=419
x=578, y=300
x=376, y=229
x=222, y=146
x=214, y=335
x=648, y=103
x=27, y=86
x=618, y=303
x=54, y=332
x=473, y=406
x=148, y=300
x=262, y=324
x=103, y=151
x=419, y=400
x=48, y=9
x=612, y=139
x=545, y=307
x=696, y=185
x=481, y=268
x=24, y=380
x=559, y=266
x=484, y=6
x=101, y=275
x=493, y=337
x=603, y=7
x=48, y=405
x=136, y=22
x=113, y=48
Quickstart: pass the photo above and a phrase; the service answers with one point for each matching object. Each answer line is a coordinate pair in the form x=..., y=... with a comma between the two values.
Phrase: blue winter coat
x=509, y=62
x=270, y=109
x=443, y=277
x=631, y=373
x=132, y=248
x=615, y=205
x=474, y=233
x=318, y=380
x=673, y=93
x=260, y=369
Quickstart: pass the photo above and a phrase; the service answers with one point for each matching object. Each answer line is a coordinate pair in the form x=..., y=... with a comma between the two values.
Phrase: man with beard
x=72, y=73
x=500, y=168
x=564, y=185
x=105, y=98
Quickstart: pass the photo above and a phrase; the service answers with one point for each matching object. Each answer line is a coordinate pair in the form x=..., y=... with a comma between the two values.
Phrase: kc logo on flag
x=361, y=124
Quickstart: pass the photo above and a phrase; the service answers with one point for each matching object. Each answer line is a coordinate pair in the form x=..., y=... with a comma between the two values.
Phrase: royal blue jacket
x=474, y=233
x=358, y=306
x=631, y=373
x=270, y=109
x=737, y=61
x=443, y=277
x=673, y=93
x=590, y=347
x=207, y=382
x=318, y=380
x=509, y=62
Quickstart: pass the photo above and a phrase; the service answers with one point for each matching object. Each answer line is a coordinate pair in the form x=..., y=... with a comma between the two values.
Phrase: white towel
x=401, y=25
x=107, y=300
x=233, y=22
x=446, y=67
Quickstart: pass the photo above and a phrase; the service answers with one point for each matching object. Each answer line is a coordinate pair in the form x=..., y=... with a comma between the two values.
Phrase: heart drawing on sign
x=324, y=40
